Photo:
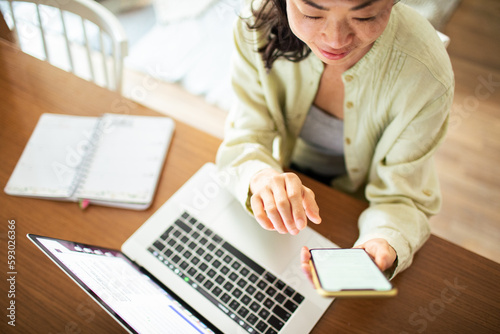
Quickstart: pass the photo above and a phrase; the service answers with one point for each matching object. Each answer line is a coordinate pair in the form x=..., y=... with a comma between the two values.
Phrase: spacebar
x=243, y=258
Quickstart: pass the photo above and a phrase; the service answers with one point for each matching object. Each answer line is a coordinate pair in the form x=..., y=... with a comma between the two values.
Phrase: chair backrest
x=80, y=36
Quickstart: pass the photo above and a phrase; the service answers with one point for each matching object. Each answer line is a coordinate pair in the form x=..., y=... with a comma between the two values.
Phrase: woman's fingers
x=280, y=202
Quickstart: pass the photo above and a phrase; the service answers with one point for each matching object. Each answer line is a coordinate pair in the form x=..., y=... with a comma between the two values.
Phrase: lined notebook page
x=128, y=157
x=52, y=156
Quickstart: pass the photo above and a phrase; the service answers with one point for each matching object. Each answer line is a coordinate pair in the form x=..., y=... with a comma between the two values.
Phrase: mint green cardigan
x=396, y=109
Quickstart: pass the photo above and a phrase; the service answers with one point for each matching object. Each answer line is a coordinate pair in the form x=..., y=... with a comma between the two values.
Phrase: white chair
x=80, y=36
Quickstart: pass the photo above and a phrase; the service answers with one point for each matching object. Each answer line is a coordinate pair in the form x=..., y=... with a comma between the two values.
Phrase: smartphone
x=348, y=272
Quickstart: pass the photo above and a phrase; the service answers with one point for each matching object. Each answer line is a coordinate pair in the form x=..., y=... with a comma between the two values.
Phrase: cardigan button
x=349, y=105
x=349, y=78
x=348, y=141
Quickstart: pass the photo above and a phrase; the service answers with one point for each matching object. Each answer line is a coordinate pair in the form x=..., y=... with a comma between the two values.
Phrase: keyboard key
x=192, y=272
x=200, y=278
x=216, y=264
x=298, y=298
x=262, y=285
x=193, y=221
x=242, y=283
x=289, y=291
x=177, y=233
x=211, y=247
x=228, y=259
x=225, y=298
x=244, y=272
x=195, y=260
x=208, y=257
x=271, y=330
x=164, y=236
x=236, y=265
x=203, y=241
x=291, y=306
x=159, y=245
x=216, y=291
x=185, y=215
x=171, y=242
x=208, y=284
x=280, y=298
x=252, y=319
x=275, y=322
x=246, y=299
x=254, y=307
x=233, y=277
x=224, y=270
x=237, y=293
x=216, y=238
x=211, y=273
x=264, y=314
x=192, y=245
x=242, y=312
x=261, y=326
x=187, y=254
x=179, y=248
x=228, y=286
x=184, y=239
x=243, y=258
x=200, y=251
x=184, y=265
x=220, y=279
x=250, y=289
x=281, y=312
x=200, y=226
x=271, y=291
x=203, y=266
x=270, y=277
x=219, y=253
x=195, y=235
x=253, y=278
x=260, y=296
x=279, y=285
x=176, y=258
x=182, y=225
x=168, y=252
x=234, y=305
x=208, y=232
x=269, y=303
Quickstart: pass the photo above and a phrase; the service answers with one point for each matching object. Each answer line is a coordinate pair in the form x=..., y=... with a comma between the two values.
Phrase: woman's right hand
x=281, y=202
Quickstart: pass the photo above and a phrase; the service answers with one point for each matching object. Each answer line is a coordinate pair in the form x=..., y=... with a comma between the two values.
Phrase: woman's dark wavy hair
x=271, y=18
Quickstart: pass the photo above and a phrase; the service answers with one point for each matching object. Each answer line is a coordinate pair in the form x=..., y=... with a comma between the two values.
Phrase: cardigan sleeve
x=404, y=190
x=250, y=131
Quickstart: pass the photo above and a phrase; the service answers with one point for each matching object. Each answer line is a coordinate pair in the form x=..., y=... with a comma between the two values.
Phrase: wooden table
x=447, y=289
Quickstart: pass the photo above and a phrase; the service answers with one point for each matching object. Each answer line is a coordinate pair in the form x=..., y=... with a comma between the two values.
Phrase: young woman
x=354, y=92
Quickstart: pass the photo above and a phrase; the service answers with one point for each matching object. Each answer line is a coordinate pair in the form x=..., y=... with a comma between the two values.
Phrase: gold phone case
x=349, y=293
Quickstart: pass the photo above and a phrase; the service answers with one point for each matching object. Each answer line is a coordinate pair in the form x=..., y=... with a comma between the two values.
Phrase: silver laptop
x=207, y=258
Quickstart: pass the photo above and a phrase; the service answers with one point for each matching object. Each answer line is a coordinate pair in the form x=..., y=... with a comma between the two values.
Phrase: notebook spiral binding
x=83, y=168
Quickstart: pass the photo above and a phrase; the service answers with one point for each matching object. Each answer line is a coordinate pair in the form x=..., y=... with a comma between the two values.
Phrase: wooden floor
x=469, y=160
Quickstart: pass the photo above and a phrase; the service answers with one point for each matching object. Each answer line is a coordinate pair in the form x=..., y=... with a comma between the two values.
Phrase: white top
x=320, y=147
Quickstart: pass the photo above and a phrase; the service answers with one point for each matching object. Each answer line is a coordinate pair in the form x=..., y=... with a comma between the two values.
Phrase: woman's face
x=339, y=32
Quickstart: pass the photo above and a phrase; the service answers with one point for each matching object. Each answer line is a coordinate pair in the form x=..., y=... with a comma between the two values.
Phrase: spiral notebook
x=113, y=160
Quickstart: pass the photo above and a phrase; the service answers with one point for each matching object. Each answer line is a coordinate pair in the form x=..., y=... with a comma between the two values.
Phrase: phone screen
x=347, y=269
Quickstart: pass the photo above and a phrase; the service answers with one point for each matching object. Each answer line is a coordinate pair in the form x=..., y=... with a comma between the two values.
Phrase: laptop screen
x=133, y=298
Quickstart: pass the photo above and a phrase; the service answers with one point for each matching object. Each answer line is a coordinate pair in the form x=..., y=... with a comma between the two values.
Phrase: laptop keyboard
x=247, y=293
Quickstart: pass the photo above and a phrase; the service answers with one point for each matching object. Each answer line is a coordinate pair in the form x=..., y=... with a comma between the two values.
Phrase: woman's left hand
x=379, y=249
